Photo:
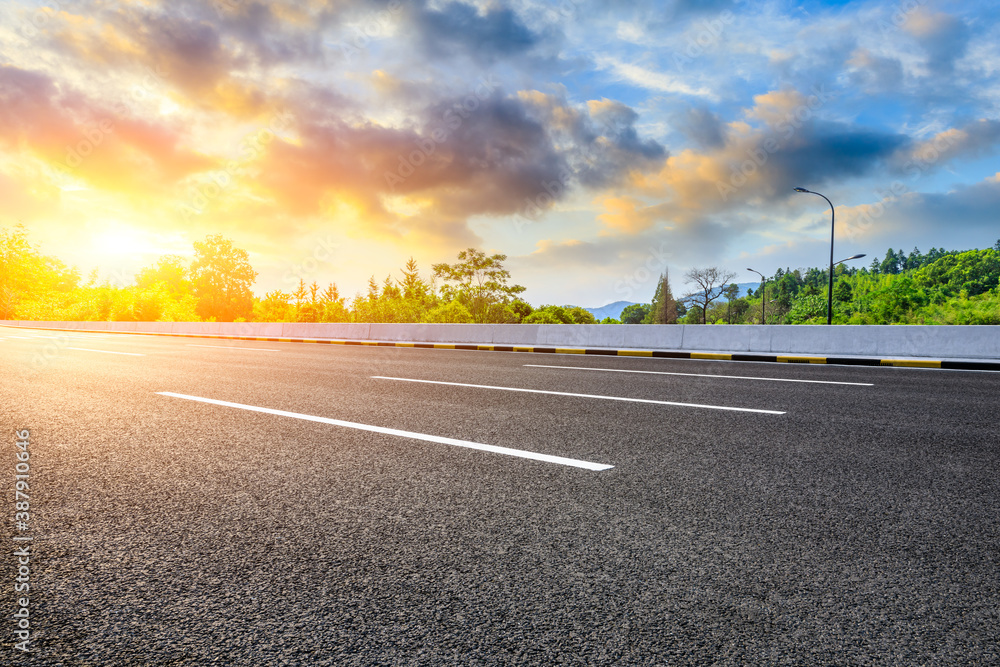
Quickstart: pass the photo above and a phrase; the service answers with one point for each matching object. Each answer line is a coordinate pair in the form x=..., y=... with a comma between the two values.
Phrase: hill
x=611, y=310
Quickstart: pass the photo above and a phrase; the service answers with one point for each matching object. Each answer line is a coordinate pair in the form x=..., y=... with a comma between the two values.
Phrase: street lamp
x=829, y=301
x=763, y=285
x=850, y=258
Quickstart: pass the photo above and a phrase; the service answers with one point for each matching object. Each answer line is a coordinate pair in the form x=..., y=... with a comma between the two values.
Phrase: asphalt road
x=850, y=523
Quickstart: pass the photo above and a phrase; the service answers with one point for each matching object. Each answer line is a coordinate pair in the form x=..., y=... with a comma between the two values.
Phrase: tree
x=332, y=305
x=171, y=270
x=521, y=309
x=560, y=315
x=413, y=286
x=17, y=258
x=480, y=284
x=452, y=312
x=547, y=315
x=221, y=278
x=663, y=309
x=636, y=313
x=31, y=283
x=580, y=315
x=843, y=291
x=731, y=292
x=274, y=307
x=891, y=263
x=710, y=283
x=974, y=271
x=299, y=295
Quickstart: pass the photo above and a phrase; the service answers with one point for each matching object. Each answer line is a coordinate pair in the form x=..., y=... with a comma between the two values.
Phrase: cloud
x=916, y=217
x=701, y=126
x=458, y=29
x=974, y=139
x=875, y=74
x=758, y=165
x=650, y=79
x=486, y=154
x=628, y=215
x=943, y=37
x=87, y=141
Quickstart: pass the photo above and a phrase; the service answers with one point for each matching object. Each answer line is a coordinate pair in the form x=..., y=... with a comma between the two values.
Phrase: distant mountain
x=615, y=309
x=611, y=310
x=745, y=287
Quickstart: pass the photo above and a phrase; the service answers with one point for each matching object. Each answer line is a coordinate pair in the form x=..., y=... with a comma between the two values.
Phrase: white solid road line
x=699, y=375
x=402, y=434
x=84, y=349
x=234, y=347
x=607, y=398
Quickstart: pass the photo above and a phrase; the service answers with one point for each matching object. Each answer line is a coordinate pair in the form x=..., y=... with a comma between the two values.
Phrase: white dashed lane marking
x=564, y=393
x=576, y=463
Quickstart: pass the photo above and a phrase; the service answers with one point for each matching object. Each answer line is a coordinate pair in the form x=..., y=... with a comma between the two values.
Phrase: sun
x=120, y=240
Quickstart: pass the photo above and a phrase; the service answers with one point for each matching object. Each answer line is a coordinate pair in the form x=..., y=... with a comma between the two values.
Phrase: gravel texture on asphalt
x=860, y=527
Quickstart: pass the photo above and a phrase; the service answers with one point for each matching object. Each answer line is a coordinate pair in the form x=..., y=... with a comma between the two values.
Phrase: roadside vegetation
x=216, y=284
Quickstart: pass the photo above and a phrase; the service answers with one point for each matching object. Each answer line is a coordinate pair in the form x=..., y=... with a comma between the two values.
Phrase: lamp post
x=829, y=299
x=729, y=308
x=763, y=292
x=850, y=258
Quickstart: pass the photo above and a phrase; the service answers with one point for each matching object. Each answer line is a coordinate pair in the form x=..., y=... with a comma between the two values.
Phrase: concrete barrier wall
x=980, y=342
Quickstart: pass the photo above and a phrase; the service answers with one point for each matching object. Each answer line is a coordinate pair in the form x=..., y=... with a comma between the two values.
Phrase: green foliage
x=663, y=309
x=520, y=309
x=842, y=291
x=809, y=309
x=636, y=313
x=274, y=307
x=31, y=284
x=939, y=287
x=452, y=312
x=560, y=315
x=975, y=271
x=221, y=278
x=479, y=282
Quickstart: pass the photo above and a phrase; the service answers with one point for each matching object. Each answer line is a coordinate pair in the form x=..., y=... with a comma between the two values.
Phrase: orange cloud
x=627, y=215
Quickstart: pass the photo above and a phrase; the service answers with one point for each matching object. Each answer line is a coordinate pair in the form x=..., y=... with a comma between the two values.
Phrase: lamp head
x=801, y=190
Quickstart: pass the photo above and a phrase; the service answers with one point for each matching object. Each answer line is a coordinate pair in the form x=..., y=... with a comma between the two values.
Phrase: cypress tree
x=664, y=306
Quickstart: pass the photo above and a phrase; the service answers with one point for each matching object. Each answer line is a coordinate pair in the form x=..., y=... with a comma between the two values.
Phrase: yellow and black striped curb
x=657, y=354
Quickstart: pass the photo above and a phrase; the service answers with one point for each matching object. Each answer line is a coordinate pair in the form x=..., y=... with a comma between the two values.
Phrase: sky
x=594, y=143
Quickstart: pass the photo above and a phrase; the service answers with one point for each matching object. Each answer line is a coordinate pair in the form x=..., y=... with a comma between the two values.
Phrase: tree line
x=216, y=285
x=939, y=287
